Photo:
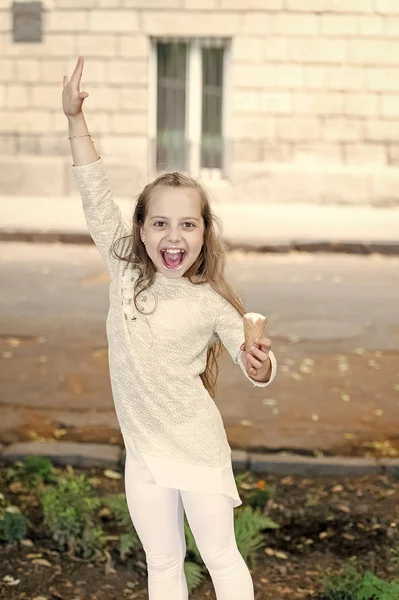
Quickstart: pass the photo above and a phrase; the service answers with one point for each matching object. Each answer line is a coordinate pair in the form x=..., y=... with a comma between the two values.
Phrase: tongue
x=172, y=260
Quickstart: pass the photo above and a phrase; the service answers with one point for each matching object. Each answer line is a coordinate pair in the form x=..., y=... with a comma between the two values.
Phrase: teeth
x=174, y=251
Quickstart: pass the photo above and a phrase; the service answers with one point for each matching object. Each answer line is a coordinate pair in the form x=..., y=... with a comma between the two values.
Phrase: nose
x=174, y=235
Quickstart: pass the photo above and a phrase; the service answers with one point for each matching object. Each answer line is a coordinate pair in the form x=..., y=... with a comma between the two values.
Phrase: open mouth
x=173, y=260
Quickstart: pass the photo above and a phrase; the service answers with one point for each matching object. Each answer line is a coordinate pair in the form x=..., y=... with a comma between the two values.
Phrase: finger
x=77, y=74
x=254, y=362
x=252, y=370
x=260, y=354
x=65, y=81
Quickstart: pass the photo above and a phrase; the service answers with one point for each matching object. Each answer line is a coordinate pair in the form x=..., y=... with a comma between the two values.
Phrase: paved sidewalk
x=262, y=227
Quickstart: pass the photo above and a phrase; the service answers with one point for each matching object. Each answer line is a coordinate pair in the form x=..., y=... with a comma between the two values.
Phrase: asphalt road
x=333, y=320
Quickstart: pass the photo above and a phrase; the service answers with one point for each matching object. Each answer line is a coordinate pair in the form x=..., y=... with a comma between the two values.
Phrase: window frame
x=193, y=117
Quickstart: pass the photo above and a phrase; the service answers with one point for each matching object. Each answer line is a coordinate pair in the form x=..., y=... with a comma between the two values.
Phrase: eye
x=186, y=223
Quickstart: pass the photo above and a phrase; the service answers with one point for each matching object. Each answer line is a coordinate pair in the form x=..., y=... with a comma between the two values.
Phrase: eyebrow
x=161, y=217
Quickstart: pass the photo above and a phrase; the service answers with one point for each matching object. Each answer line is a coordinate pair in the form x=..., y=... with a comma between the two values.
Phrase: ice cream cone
x=254, y=327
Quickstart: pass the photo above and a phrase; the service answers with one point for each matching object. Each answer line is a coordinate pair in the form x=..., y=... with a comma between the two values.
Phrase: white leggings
x=158, y=517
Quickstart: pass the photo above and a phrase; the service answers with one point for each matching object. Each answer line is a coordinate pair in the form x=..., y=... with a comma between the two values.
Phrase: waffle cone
x=253, y=330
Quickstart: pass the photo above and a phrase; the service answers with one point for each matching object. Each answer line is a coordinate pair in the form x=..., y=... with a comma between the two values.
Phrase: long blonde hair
x=208, y=268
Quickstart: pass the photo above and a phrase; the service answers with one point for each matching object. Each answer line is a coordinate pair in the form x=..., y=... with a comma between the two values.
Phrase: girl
x=170, y=311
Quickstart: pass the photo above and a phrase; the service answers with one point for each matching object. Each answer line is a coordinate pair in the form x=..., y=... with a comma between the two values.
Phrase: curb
x=83, y=455
x=388, y=248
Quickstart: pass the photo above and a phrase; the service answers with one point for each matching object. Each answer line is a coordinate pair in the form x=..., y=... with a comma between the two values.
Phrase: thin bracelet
x=84, y=135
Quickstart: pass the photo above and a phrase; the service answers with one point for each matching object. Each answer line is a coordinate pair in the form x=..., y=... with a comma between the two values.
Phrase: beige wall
x=314, y=105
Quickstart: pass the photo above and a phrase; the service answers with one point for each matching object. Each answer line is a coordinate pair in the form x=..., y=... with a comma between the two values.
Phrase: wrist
x=79, y=118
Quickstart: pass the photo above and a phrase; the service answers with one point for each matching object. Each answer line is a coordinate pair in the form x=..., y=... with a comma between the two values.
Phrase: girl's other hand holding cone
x=256, y=359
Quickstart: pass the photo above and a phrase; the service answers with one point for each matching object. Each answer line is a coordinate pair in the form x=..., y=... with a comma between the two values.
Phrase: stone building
x=267, y=100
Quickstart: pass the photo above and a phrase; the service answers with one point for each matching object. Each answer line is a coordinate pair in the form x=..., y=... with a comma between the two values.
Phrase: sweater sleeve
x=103, y=215
x=229, y=327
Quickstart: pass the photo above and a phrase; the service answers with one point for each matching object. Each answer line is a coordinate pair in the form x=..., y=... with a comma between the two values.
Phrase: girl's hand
x=256, y=360
x=72, y=98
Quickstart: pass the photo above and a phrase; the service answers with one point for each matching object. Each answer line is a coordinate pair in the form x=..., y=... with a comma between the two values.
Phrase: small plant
x=343, y=585
x=118, y=508
x=35, y=470
x=248, y=525
x=395, y=555
x=69, y=513
x=194, y=573
x=13, y=524
x=376, y=589
x=261, y=496
x=350, y=585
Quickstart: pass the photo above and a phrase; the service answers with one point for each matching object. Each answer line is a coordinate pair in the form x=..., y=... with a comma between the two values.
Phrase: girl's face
x=173, y=222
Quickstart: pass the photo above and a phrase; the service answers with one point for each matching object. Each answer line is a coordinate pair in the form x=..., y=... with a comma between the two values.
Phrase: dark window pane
x=212, y=105
x=171, y=106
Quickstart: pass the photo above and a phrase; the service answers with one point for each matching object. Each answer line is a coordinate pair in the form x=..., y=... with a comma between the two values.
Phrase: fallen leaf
x=100, y=353
x=374, y=364
x=269, y=402
x=16, y=487
x=112, y=474
x=287, y=480
x=75, y=384
x=246, y=423
x=315, y=417
x=246, y=486
x=31, y=556
x=309, y=361
x=41, y=561
x=378, y=412
x=345, y=397
x=282, y=555
x=9, y=580
x=58, y=433
x=337, y=488
x=344, y=508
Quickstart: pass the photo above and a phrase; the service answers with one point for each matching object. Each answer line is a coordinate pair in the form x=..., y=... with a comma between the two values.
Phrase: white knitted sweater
x=155, y=360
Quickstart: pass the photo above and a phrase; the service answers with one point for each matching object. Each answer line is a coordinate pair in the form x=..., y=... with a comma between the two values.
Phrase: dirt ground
x=323, y=523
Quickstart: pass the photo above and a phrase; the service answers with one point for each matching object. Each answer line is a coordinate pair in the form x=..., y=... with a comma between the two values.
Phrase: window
x=189, y=93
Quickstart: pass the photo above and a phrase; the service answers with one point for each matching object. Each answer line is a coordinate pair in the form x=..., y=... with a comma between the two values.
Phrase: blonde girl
x=171, y=309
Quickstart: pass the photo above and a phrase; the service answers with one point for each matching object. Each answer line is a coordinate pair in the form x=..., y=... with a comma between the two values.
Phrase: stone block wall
x=313, y=103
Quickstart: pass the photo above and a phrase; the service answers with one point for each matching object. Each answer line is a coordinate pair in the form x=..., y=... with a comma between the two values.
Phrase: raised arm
x=103, y=215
